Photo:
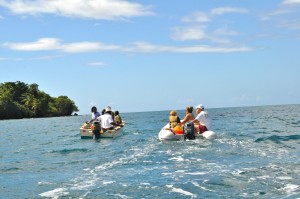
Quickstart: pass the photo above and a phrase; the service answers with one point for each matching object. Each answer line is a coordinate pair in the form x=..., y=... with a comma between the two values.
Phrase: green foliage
x=20, y=100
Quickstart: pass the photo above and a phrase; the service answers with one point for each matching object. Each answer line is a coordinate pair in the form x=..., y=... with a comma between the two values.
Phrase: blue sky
x=154, y=55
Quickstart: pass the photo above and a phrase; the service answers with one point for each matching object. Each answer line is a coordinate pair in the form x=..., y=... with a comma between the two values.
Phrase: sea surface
x=256, y=155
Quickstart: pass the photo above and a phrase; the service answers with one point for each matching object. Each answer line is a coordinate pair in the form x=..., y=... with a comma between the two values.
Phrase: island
x=20, y=100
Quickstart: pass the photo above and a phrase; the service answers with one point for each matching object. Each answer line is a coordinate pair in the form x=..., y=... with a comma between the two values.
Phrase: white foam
x=108, y=182
x=284, y=178
x=196, y=173
x=120, y=196
x=44, y=183
x=178, y=159
x=55, y=194
x=290, y=188
x=145, y=183
x=196, y=184
x=181, y=191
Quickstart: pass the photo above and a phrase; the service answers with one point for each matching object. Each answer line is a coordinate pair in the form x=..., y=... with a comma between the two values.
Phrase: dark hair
x=189, y=109
x=103, y=111
x=116, y=112
x=94, y=107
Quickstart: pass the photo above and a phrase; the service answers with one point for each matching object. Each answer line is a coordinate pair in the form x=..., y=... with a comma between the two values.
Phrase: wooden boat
x=86, y=132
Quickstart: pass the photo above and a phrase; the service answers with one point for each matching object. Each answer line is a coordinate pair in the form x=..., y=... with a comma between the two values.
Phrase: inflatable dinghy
x=165, y=134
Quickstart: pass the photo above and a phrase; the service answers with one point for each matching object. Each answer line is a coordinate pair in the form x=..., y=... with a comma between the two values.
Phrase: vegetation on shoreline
x=20, y=100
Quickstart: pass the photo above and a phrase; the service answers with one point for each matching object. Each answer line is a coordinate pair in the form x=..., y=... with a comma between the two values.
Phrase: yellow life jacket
x=173, y=121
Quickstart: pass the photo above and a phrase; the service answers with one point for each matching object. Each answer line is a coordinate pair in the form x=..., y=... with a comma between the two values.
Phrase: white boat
x=169, y=135
x=86, y=132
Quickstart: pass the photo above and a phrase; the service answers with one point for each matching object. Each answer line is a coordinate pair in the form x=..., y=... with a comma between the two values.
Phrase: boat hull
x=169, y=135
x=87, y=133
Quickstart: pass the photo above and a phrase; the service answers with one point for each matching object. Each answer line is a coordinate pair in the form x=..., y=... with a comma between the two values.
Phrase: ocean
x=255, y=155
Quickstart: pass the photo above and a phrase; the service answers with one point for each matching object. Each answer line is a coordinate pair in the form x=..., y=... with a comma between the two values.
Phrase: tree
x=65, y=106
x=20, y=100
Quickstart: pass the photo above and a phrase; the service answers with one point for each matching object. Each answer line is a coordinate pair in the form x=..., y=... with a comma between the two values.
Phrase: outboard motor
x=189, y=131
x=96, y=130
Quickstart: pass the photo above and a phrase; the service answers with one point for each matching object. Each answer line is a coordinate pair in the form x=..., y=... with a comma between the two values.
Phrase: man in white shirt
x=202, y=119
x=106, y=120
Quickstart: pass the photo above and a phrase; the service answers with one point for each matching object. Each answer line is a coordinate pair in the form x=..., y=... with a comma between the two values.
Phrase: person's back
x=118, y=118
x=204, y=119
x=189, y=115
x=173, y=119
x=106, y=120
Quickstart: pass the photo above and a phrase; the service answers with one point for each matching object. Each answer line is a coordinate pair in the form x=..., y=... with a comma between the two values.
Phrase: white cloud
x=92, y=9
x=198, y=17
x=226, y=10
x=96, y=64
x=39, y=45
x=87, y=47
x=200, y=23
x=190, y=33
x=51, y=44
x=291, y=2
x=10, y=59
x=270, y=15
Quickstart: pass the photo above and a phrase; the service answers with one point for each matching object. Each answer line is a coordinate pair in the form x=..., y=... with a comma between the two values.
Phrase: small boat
x=87, y=132
x=165, y=134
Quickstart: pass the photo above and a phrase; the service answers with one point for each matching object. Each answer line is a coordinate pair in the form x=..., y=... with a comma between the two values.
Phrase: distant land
x=20, y=100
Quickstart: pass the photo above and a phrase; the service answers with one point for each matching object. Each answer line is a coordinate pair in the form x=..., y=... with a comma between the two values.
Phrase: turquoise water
x=256, y=155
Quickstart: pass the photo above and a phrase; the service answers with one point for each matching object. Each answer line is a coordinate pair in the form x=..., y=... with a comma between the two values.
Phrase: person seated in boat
x=189, y=115
x=118, y=118
x=106, y=120
x=95, y=114
x=202, y=122
x=174, y=125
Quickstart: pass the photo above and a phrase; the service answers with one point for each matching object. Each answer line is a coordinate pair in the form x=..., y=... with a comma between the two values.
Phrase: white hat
x=108, y=109
x=200, y=106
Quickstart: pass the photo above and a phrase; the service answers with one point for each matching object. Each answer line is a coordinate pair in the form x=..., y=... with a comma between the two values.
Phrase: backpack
x=189, y=131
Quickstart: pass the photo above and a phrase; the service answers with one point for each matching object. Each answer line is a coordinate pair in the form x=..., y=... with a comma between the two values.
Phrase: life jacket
x=178, y=130
x=173, y=121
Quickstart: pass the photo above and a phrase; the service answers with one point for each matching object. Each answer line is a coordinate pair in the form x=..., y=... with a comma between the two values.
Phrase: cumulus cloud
x=198, y=17
x=227, y=10
x=91, y=9
x=189, y=33
x=39, y=45
x=198, y=25
x=52, y=44
x=291, y=2
x=96, y=64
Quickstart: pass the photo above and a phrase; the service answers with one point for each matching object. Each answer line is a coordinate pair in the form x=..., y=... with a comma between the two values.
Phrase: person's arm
x=184, y=120
x=195, y=120
x=114, y=123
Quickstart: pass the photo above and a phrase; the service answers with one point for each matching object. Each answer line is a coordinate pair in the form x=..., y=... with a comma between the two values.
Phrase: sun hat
x=200, y=106
x=108, y=109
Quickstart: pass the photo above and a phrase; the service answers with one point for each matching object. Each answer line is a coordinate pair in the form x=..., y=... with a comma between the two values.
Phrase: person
x=118, y=118
x=95, y=114
x=189, y=115
x=174, y=122
x=174, y=119
x=106, y=120
x=202, y=121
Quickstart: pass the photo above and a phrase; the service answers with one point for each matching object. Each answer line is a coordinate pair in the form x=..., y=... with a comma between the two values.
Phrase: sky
x=154, y=55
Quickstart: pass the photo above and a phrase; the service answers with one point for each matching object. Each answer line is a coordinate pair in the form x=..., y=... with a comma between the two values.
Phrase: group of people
x=201, y=122
x=108, y=118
